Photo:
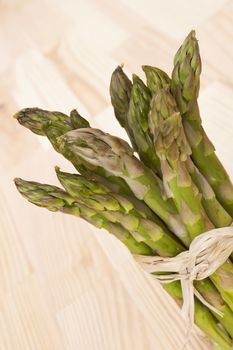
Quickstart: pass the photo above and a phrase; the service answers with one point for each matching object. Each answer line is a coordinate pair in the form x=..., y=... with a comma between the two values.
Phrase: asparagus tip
x=135, y=78
x=20, y=184
x=147, y=67
x=192, y=34
x=21, y=113
x=25, y=111
x=17, y=181
x=57, y=169
x=119, y=68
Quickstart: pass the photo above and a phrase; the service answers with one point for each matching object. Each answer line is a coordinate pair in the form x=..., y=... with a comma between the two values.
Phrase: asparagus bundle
x=156, y=205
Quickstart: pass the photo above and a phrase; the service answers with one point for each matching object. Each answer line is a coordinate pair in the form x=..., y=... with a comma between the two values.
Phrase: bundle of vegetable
x=155, y=205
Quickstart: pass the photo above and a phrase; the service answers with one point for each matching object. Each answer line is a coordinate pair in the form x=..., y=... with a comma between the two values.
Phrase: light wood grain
x=63, y=284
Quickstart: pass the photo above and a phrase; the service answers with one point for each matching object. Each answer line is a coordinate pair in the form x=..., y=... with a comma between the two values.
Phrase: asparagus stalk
x=120, y=93
x=50, y=124
x=157, y=80
x=173, y=150
x=137, y=118
x=116, y=157
x=55, y=199
x=55, y=124
x=185, y=88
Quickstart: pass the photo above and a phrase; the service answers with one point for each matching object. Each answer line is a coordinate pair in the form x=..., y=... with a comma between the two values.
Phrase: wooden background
x=64, y=285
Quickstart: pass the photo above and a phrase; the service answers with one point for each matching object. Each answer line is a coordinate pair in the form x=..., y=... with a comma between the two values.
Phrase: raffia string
x=206, y=254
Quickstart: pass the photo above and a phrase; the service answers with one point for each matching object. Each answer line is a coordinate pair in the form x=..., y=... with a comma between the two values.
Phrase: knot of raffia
x=206, y=254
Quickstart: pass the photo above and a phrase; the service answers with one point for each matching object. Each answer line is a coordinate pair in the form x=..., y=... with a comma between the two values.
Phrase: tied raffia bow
x=206, y=254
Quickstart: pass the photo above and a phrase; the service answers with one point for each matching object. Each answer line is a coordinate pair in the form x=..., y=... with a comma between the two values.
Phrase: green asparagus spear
x=185, y=88
x=137, y=118
x=55, y=199
x=43, y=122
x=120, y=92
x=35, y=118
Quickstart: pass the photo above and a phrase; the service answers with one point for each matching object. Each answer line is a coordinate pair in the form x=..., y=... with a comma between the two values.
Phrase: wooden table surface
x=63, y=284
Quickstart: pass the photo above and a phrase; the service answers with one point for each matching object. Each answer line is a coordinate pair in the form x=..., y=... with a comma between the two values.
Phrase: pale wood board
x=63, y=284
